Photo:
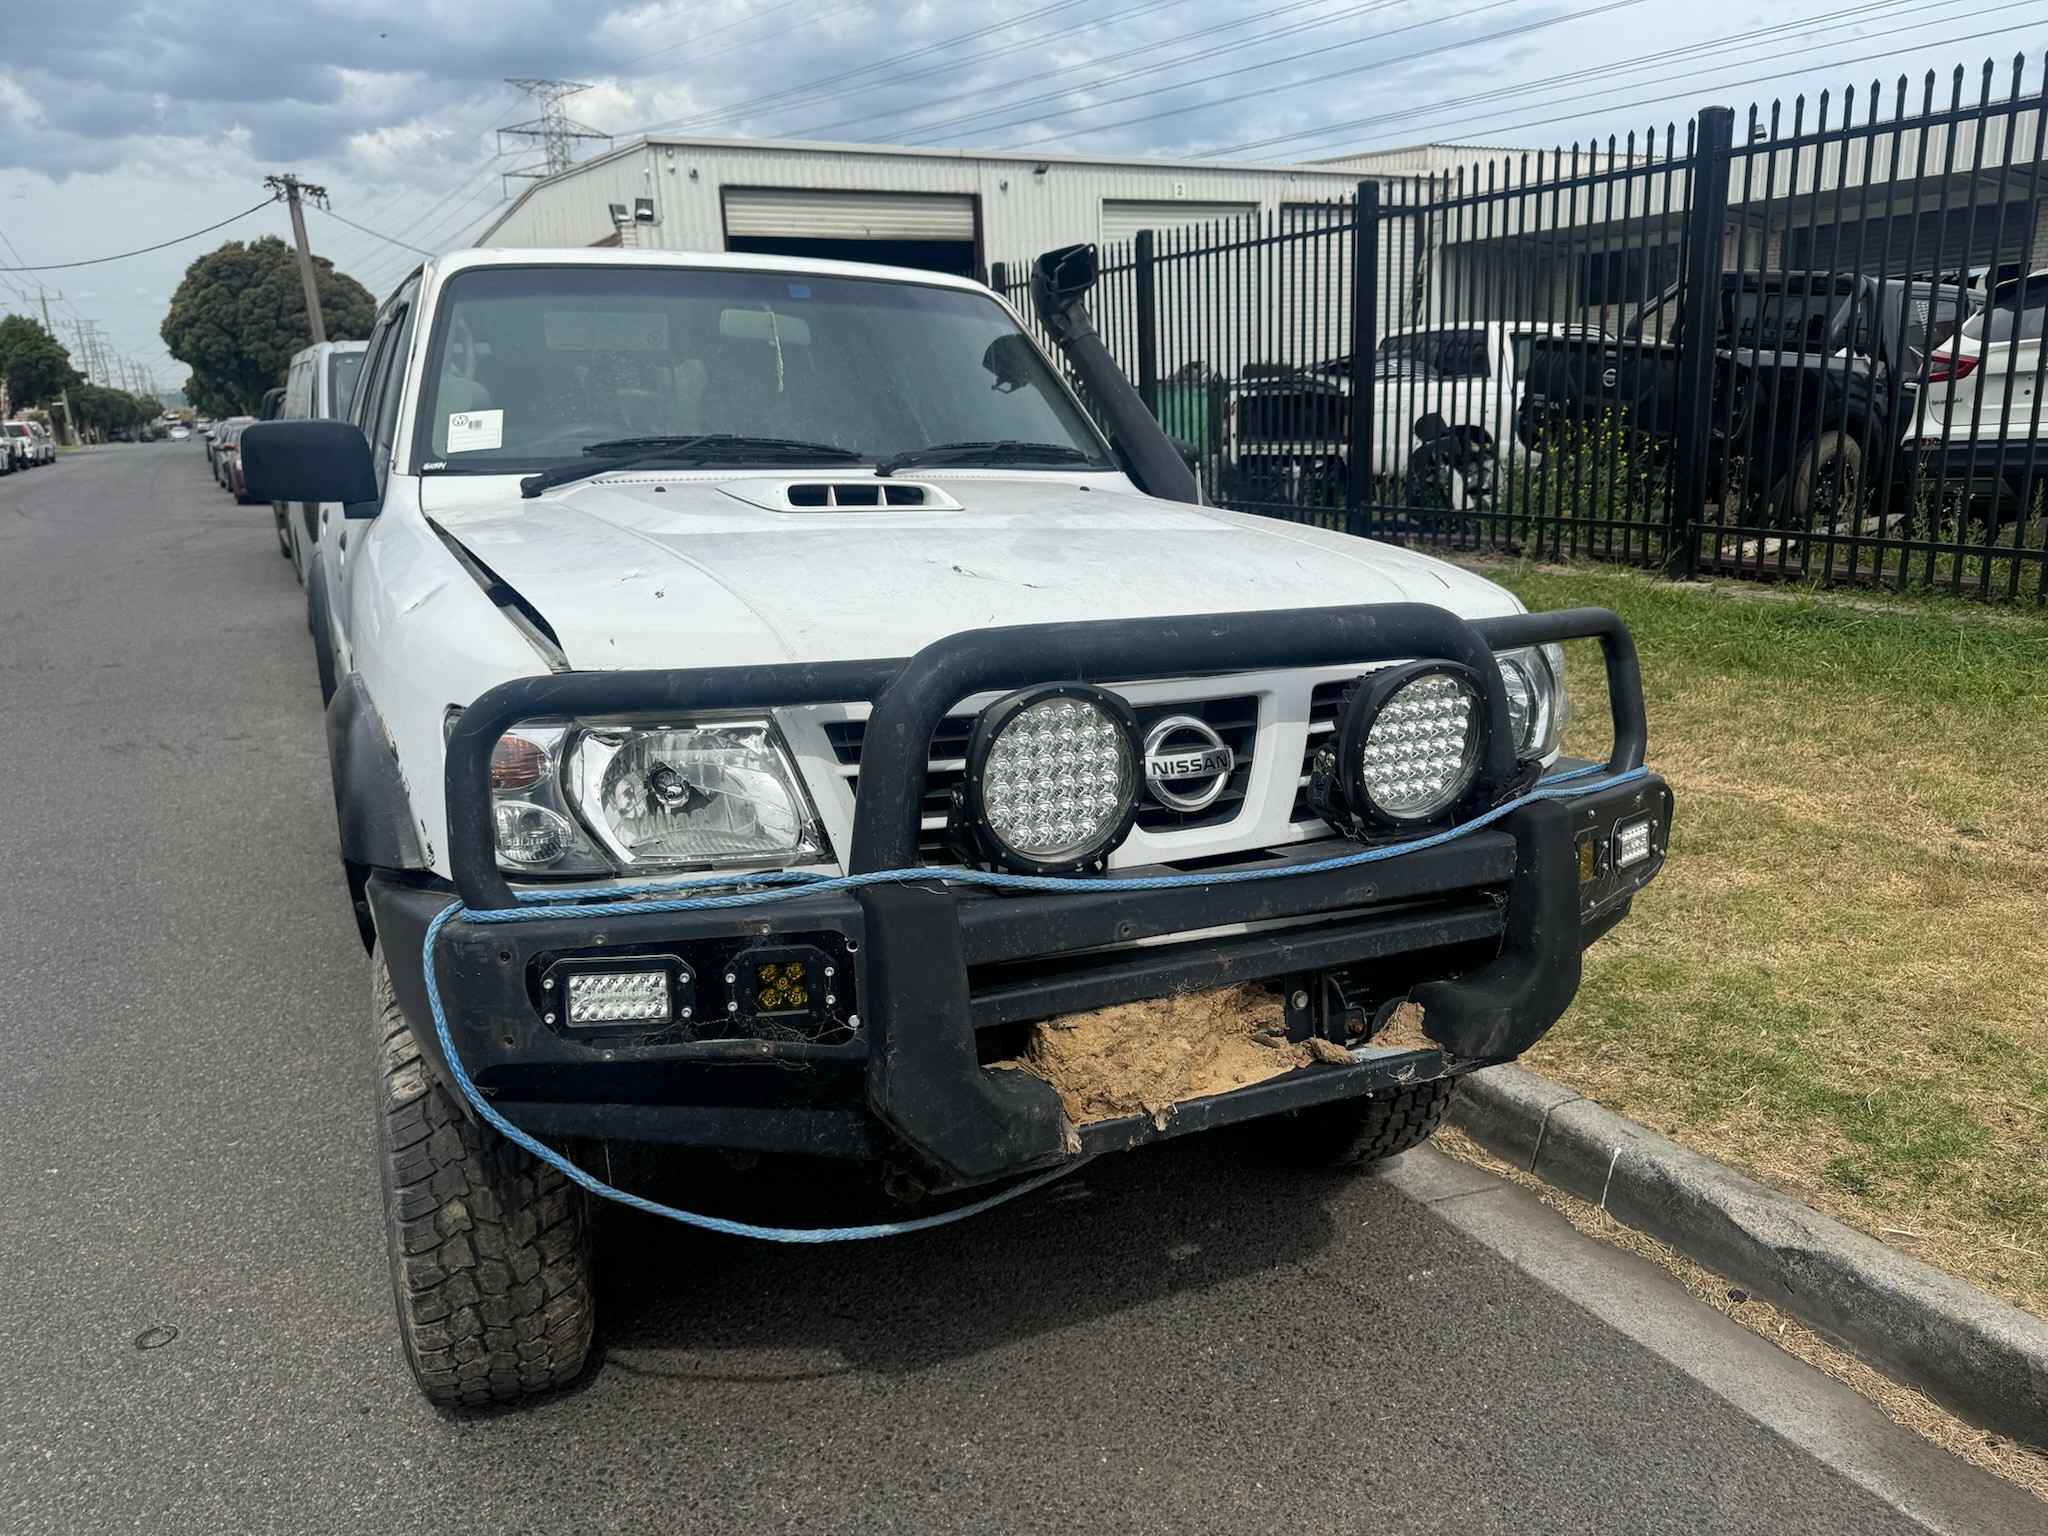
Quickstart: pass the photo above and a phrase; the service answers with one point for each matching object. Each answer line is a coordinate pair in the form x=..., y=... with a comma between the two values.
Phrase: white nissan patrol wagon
x=773, y=710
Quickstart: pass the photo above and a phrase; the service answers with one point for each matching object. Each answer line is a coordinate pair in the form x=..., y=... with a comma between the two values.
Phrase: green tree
x=240, y=314
x=101, y=410
x=34, y=363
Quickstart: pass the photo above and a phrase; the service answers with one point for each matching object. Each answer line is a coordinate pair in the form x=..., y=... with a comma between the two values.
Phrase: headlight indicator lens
x=1051, y=780
x=517, y=765
x=698, y=793
x=1421, y=748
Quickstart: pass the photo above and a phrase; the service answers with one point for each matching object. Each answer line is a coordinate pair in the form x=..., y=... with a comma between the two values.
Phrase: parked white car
x=623, y=558
x=320, y=384
x=1444, y=406
x=1982, y=425
x=29, y=443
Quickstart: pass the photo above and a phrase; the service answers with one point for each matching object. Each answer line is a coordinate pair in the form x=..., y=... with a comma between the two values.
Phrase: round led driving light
x=1052, y=778
x=1412, y=742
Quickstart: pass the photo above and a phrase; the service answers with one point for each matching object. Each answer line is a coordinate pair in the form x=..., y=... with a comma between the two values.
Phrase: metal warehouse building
x=944, y=210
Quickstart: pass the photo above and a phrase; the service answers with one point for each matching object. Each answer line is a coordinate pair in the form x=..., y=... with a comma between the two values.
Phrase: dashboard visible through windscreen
x=531, y=366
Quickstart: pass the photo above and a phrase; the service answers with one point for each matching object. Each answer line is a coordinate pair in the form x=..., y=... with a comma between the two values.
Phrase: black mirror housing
x=314, y=460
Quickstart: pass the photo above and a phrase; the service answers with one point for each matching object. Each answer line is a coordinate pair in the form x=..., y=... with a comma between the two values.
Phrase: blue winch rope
x=780, y=885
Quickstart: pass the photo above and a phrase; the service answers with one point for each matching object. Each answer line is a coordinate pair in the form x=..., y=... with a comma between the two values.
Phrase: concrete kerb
x=1985, y=1361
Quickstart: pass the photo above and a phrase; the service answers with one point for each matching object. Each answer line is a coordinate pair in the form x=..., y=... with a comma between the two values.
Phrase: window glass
x=376, y=364
x=531, y=365
x=2016, y=314
x=1779, y=317
x=342, y=371
x=296, y=405
x=1946, y=307
x=1452, y=354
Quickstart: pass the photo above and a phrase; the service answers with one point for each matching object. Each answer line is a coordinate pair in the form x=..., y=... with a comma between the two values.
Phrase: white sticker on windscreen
x=474, y=431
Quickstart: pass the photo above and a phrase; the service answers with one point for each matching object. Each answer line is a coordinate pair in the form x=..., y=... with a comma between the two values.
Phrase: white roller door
x=789, y=213
x=1122, y=220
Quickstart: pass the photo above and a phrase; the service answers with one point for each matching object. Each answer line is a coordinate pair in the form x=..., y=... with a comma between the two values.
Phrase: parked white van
x=320, y=385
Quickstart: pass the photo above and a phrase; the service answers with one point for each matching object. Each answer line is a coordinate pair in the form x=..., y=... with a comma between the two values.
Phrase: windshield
x=1449, y=354
x=342, y=368
x=532, y=365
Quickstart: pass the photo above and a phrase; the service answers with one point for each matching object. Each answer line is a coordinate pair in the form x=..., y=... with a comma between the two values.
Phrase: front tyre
x=1354, y=1132
x=489, y=1247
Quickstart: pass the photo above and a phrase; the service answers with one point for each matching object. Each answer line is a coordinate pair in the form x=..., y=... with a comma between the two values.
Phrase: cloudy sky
x=123, y=124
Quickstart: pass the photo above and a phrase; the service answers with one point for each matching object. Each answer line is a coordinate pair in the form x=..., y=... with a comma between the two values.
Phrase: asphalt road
x=1173, y=1340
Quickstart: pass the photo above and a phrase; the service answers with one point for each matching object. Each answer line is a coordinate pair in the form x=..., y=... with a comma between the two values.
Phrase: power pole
x=292, y=190
x=555, y=130
x=63, y=395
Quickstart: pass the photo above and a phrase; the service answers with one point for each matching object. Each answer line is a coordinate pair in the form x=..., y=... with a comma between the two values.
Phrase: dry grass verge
x=1837, y=984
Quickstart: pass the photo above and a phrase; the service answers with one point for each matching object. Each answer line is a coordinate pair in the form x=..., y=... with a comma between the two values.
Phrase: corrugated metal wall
x=1026, y=205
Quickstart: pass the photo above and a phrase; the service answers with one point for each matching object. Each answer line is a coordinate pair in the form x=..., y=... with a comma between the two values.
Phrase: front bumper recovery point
x=1496, y=919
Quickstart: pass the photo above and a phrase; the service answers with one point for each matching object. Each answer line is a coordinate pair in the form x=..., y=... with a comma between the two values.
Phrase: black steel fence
x=1805, y=345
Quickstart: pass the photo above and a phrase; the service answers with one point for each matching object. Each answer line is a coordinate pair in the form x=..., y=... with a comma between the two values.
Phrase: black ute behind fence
x=1804, y=345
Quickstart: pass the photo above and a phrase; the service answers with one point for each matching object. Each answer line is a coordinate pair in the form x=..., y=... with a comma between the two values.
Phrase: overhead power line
x=984, y=90
x=373, y=234
x=818, y=90
x=1804, y=67
x=1885, y=10
x=1502, y=35
x=141, y=250
x=928, y=132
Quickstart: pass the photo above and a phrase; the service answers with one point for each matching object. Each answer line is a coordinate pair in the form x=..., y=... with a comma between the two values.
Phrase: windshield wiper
x=1007, y=451
x=623, y=453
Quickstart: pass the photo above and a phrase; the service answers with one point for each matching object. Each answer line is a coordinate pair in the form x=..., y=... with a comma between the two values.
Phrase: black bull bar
x=917, y=1056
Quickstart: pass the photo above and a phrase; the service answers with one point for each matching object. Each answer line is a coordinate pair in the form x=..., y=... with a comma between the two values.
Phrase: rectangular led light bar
x=619, y=997
x=1632, y=842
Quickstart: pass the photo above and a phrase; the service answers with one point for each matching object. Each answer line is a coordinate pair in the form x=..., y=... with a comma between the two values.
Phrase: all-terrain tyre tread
x=489, y=1247
x=1368, y=1129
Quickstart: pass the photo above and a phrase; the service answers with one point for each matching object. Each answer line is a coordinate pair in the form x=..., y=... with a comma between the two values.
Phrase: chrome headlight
x=536, y=835
x=1537, y=703
x=1052, y=778
x=698, y=793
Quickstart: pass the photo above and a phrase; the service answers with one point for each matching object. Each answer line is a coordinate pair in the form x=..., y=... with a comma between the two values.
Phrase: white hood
x=690, y=574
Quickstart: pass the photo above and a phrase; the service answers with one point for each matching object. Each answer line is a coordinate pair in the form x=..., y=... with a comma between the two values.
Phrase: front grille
x=1323, y=706
x=1235, y=720
x=1291, y=416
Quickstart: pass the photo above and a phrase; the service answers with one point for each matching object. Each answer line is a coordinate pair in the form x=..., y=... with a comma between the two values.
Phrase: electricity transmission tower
x=554, y=130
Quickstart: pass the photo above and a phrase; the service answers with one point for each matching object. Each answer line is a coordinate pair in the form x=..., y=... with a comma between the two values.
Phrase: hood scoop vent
x=877, y=495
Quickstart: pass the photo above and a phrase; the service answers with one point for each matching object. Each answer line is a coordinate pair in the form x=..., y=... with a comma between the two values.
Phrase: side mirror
x=316, y=460
x=1069, y=272
x=1190, y=455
